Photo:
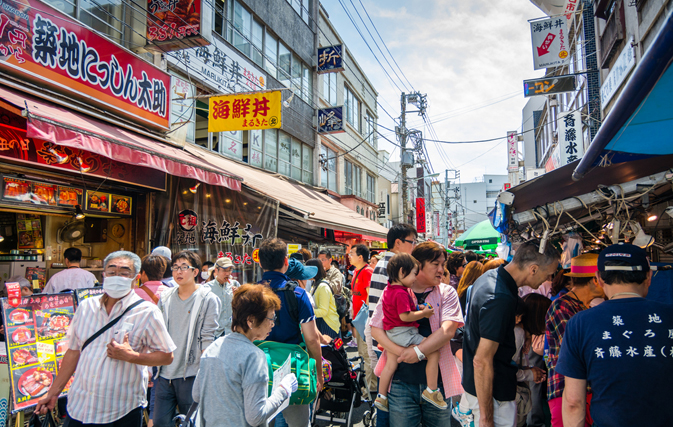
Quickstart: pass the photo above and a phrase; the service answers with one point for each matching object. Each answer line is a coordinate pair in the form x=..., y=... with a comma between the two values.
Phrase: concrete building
x=387, y=190
x=473, y=201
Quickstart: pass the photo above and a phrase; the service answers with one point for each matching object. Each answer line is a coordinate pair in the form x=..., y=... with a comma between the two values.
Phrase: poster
x=99, y=202
x=120, y=204
x=30, y=231
x=84, y=293
x=36, y=276
x=44, y=194
x=68, y=196
x=35, y=333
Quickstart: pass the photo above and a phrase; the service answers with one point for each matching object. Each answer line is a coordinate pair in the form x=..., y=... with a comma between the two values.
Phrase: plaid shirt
x=558, y=315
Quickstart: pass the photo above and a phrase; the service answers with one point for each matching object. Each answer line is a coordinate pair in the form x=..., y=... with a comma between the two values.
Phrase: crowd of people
x=448, y=338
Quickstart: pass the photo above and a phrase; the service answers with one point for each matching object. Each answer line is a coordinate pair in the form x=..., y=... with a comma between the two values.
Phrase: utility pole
x=405, y=168
x=445, y=211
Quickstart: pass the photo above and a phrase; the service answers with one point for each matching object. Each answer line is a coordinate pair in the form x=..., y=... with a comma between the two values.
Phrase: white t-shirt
x=71, y=278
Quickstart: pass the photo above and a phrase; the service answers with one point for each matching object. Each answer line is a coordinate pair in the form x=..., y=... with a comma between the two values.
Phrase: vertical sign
x=571, y=146
x=618, y=73
x=420, y=215
x=438, y=225
x=330, y=59
x=183, y=110
x=550, y=42
x=512, y=152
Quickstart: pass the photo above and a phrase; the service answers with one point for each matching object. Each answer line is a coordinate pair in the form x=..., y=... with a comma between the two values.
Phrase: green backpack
x=302, y=366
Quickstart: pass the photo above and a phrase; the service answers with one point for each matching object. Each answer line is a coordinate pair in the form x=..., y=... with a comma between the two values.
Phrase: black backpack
x=341, y=302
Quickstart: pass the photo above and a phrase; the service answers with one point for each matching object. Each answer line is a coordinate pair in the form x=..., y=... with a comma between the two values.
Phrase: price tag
x=13, y=293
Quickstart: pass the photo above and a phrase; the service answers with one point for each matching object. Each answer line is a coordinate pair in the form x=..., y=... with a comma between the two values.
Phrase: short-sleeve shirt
x=287, y=329
x=620, y=347
x=361, y=281
x=491, y=316
x=396, y=300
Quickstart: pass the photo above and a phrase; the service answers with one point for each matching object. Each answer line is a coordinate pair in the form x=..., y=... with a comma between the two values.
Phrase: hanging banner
x=512, y=152
x=330, y=59
x=45, y=46
x=174, y=24
x=550, y=42
x=571, y=146
x=420, y=215
x=35, y=334
x=330, y=120
x=244, y=112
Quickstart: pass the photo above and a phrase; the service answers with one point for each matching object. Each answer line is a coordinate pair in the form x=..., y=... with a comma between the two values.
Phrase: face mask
x=117, y=286
x=205, y=275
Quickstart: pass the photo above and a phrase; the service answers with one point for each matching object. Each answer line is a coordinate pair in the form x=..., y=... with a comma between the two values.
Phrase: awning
x=63, y=127
x=316, y=208
x=640, y=123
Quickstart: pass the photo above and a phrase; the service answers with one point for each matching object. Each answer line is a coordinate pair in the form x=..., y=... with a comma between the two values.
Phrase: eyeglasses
x=121, y=272
x=272, y=319
x=182, y=268
x=465, y=264
x=413, y=242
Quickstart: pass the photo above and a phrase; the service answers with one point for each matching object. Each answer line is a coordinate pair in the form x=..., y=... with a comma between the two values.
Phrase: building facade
x=470, y=203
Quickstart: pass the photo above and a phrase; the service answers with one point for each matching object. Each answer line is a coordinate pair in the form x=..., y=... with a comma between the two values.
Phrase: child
x=399, y=321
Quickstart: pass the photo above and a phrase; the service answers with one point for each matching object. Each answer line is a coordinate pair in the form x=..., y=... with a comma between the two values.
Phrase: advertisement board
x=35, y=340
x=550, y=42
x=512, y=152
x=570, y=141
x=43, y=45
x=618, y=73
x=244, y=112
x=420, y=215
x=330, y=120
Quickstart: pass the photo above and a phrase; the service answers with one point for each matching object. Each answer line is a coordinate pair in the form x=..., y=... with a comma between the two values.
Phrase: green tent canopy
x=480, y=236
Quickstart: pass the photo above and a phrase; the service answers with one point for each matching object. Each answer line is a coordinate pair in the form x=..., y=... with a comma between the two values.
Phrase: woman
x=326, y=316
x=456, y=265
x=494, y=263
x=234, y=367
x=151, y=273
x=472, y=272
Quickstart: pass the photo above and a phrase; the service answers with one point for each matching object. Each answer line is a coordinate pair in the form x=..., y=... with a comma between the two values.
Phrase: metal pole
x=403, y=144
x=445, y=211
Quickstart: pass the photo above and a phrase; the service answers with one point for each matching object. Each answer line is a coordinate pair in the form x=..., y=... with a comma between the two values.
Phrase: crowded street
x=357, y=213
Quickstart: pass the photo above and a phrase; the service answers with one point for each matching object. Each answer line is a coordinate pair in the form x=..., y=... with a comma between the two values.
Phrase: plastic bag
x=47, y=421
x=572, y=247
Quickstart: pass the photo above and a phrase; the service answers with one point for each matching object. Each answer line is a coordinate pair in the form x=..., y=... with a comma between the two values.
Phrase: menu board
x=35, y=339
x=68, y=196
x=99, y=202
x=84, y=293
x=30, y=231
x=39, y=193
x=121, y=204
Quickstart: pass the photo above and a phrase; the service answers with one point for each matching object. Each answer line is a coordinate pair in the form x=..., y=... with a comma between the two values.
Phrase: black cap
x=627, y=253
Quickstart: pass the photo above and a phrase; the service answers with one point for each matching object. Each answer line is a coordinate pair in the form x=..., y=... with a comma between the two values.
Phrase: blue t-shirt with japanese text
x=286, y=329
x=622, y=347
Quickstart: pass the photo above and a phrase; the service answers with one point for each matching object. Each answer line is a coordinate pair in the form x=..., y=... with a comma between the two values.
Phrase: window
x=271, y=150
x=329, y=90
x=302, y=8
x=371, y=189
x=492, y=194
x=348, y=174
x=307, y=164
x=328, y=173
x=284, y=64
x=296, y=159
x=351, y=108
x=271, y=52
x=258, y=43
x=284, y=144
x=307, y=84
x=368, y=129
x=357, y=181
x=242, y=28
x=296, y=75
x=103, y=16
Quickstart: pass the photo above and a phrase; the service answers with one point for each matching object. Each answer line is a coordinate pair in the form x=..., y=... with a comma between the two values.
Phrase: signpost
x=550, y=42
x=549, y=86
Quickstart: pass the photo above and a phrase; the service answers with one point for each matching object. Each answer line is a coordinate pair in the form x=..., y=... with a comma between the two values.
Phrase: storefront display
x=30, y=231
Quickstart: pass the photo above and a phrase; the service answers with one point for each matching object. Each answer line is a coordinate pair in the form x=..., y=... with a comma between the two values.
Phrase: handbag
x=301, y=365
x=360, y=320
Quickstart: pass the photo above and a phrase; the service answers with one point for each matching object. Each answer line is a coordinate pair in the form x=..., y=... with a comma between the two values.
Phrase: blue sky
x=469, y=56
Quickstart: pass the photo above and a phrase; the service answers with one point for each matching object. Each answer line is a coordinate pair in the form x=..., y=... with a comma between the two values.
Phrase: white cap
x=163, y=251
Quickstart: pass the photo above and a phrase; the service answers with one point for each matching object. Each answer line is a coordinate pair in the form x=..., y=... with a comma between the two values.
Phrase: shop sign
x=35, y=333
x=15, y=146
x=100, y=202
x=550, y=42
x=618, y=73
x=382, y=210
x=245, y=112
x=187, y=220
x=570, y=8
x=420, y=215
x=255, y=255
x=44, y=45
x=512, y=152
x=330, y=120
x=571, y=146
x=85, y=293
x=554, y=160
x=224, y=232
x=238, y=259
x=38, y=193
x=330, y=59
x=183, y=110
x=549, y=86
x=172, y=24
x=219, y=67
x=293, y=247
x=437, y=224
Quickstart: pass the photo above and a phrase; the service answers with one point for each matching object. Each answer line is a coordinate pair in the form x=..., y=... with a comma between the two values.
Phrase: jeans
x=408, y=409
x=504, y=412
x=132, y=419
x=293, y=416
x=172, y=397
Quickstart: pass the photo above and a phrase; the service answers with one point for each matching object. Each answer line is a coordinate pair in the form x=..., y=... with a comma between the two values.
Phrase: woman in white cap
x=223, y=286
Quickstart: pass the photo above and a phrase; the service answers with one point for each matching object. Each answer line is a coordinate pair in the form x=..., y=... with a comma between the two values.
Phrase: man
x=584, y=288
x=73, y=277
x=205, y=271
x=111, y=383
x=334, y=276
x=362, y=277
x=223, y=286
x=289, y=327
x=168, y=275
x=190, y=312
x=621, y=347
x=489, y=376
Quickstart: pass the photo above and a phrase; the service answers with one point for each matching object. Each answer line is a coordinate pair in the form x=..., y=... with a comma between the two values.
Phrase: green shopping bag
x=301, y=365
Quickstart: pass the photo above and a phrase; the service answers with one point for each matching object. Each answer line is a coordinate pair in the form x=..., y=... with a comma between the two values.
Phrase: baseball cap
x=224, y=262
x=162, y=251
x=635, y=257
x=298, y=271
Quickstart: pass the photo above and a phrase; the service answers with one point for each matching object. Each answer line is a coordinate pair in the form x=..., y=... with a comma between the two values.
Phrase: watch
x=419, y=353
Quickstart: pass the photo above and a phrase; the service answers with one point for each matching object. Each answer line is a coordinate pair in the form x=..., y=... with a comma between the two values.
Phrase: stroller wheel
x=367, y=419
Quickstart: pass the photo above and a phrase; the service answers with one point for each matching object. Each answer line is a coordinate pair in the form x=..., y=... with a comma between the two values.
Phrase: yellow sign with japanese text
x=244, y=112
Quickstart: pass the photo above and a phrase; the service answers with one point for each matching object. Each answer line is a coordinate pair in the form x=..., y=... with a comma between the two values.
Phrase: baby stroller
x=343, y=392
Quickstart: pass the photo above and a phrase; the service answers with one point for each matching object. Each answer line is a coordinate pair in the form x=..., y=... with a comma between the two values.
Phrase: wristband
x=419, y=353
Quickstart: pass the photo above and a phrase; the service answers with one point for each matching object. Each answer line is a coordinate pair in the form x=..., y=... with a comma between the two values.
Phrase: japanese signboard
x=571, y=147
x=85, y=293
x=244, y=112
x=172, y=24
x=554, y=160
x=15, y=146
x=512, y=152
x=623, y=66
x=35, y=339
x=550, y=42
x=420, y=215
x=437, y=224
x=548, y=86
x=569, y=9
x=330, y=59
x=219, y=67
x=183, y=110
x=36, y=193
x=43, y=45
x=330, y=120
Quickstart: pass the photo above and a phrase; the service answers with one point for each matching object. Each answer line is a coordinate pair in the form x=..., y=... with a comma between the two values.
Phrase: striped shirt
x=104, y=389
x=378, y=284
x=444, y=299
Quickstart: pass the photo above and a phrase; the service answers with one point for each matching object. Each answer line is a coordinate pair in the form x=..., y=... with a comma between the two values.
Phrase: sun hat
x=298, y=271
x=585, y=265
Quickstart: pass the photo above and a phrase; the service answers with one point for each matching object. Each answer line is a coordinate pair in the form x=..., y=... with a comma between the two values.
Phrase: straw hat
x=585, y=265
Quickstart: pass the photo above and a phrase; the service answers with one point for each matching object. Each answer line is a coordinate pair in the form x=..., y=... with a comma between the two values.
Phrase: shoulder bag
x=109, y=325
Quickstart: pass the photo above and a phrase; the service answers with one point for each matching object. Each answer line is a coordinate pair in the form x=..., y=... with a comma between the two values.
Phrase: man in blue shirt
x=622, y=345
x=294, y=319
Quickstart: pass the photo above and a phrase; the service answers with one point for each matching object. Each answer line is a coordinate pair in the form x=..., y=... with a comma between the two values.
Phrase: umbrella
x=481, y=235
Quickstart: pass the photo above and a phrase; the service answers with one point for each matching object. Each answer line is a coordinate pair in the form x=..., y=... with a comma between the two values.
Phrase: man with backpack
x=294, y=319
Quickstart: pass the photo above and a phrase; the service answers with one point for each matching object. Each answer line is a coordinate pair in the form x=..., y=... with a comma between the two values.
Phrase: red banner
x=44, y=45
x=420, y=215
x=14, y=145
